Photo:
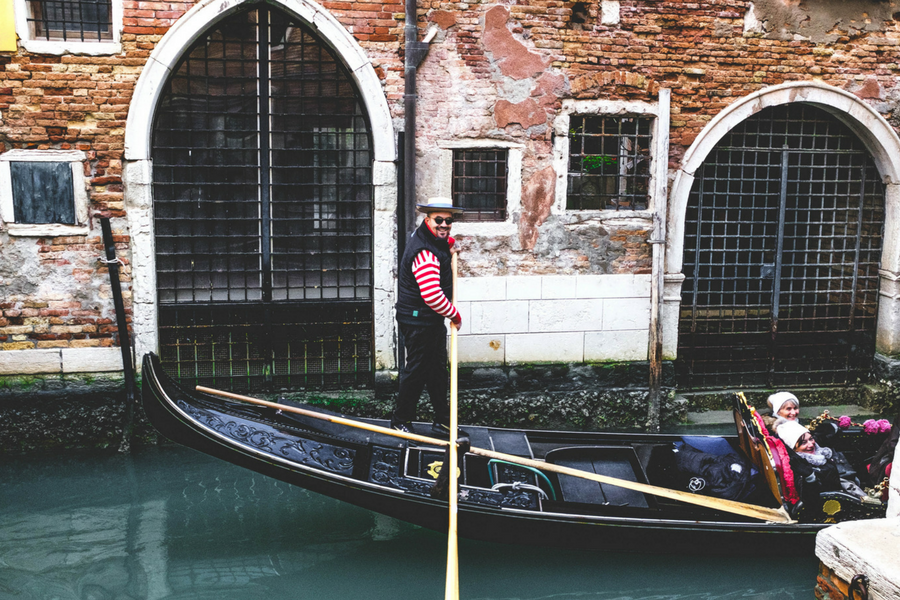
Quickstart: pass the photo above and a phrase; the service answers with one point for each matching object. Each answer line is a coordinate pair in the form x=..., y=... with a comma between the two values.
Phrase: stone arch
x=878, y=137
x=138, y=173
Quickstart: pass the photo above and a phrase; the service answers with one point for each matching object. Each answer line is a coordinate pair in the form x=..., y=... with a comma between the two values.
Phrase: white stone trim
x=865, y=547
x=58, y=47
x=513, y=184
x=76, y=159
x=553, y=318
x=545, y=348
x=57, y=361
x=659, y=149
x=138, y=172
x=205, y=14
x=876, y=134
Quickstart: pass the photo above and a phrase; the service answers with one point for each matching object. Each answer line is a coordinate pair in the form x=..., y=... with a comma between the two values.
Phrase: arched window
x=783, y=237
x=262, y=170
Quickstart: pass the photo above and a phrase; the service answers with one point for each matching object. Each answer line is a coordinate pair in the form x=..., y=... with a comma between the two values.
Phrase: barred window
x=609, y=162
x=70, y=20
x=479, y=183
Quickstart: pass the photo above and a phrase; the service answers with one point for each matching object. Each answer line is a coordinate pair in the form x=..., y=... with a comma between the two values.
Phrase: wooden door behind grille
x=783, y=238
x=263, y=212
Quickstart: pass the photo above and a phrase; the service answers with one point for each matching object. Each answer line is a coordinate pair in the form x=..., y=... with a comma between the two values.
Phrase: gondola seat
x=620, y=462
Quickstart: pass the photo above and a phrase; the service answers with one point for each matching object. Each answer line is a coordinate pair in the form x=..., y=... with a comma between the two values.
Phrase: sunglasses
x=442, y=220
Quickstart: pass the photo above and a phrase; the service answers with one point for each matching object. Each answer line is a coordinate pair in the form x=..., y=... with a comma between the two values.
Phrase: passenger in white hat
x=785, y=406
x=824, y=471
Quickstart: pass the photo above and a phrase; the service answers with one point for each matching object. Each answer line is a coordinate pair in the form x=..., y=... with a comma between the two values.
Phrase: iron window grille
x=263, y=205
x=783, y=239
x=479, y=183
x=609, y=162
x=78, y=20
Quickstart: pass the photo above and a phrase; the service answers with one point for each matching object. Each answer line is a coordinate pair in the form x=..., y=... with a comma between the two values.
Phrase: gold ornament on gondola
x=434, y=469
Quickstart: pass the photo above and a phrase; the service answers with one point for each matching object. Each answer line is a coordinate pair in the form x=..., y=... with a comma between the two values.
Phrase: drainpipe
x=415, y=53
x=658, y=243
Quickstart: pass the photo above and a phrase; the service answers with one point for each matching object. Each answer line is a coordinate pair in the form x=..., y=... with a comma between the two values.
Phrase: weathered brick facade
x=497, y=73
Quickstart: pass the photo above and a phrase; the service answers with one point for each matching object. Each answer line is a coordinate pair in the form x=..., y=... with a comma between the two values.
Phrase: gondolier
x=425, y=289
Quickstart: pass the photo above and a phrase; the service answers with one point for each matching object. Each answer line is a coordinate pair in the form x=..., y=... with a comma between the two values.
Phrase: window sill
x=45, y=230
x=607, y=214
x=58, y=47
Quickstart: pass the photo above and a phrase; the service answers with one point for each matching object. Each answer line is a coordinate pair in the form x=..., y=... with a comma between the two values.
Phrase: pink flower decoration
x=870, y=426
x=844, y=422
x=884, y=425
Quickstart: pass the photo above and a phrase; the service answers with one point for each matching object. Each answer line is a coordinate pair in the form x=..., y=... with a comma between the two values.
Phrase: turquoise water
x=169, y=523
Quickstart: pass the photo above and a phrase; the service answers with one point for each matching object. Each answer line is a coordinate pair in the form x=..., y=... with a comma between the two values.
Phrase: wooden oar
x=738, y=508
x=451, y=586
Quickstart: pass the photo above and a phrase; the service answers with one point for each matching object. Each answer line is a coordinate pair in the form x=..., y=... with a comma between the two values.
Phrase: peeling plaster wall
x=495, y=74
x=510, y=92
x=54, y=296
x=819, y=20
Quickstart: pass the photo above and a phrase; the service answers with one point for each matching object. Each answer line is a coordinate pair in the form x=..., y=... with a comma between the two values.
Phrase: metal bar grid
x=609, y=162
x=321, y=176
x=263, y=199
x=70, y=20
x=206, y=172
x=782, y=247
x=479, y=183
x=221, y=346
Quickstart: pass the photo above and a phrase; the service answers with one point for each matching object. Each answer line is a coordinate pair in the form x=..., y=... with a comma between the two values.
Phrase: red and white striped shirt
x=427, y=270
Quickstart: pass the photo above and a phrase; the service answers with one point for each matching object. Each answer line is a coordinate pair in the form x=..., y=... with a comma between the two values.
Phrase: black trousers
x=426, y=367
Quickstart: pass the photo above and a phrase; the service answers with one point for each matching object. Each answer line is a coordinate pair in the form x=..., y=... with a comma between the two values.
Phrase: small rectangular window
x=43, y=192
x=70, y=20
x=479, y=183
x=609, y=162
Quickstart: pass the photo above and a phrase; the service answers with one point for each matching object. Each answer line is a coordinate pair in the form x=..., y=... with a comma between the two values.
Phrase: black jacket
x=411, y=308
x=811, y=480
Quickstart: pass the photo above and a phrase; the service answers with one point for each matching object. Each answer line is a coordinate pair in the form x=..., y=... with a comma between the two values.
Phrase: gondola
x=533, y=494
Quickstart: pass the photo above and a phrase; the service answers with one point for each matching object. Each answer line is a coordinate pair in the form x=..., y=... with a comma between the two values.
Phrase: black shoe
x=404, y=427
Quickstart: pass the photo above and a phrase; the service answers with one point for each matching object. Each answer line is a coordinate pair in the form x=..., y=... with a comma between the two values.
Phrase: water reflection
x=174, y=524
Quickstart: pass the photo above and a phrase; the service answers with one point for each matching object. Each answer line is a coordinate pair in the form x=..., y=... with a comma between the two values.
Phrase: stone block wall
x=553, y=318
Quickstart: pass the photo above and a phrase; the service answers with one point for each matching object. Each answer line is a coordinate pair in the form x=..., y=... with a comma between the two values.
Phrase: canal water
x=170, y=523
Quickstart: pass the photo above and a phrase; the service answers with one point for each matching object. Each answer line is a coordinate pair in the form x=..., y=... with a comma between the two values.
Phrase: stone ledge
x=863, y=548
x=60, y=360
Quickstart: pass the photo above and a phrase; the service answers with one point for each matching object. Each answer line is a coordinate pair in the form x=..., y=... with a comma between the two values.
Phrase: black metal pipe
x=112, y=264
x=406, y=205
x=410, y=31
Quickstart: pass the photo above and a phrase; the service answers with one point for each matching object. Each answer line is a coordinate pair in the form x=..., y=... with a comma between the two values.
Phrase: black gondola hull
x=346, y=467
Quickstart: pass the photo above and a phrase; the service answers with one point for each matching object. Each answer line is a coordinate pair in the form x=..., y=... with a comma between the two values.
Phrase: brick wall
x=493, y=72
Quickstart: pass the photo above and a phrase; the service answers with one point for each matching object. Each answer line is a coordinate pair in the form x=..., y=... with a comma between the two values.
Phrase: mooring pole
x=658, y=270
x=112, y=264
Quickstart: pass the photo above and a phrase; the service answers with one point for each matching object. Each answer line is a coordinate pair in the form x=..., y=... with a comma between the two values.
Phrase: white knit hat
x=790, y=432
x=777, y=400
